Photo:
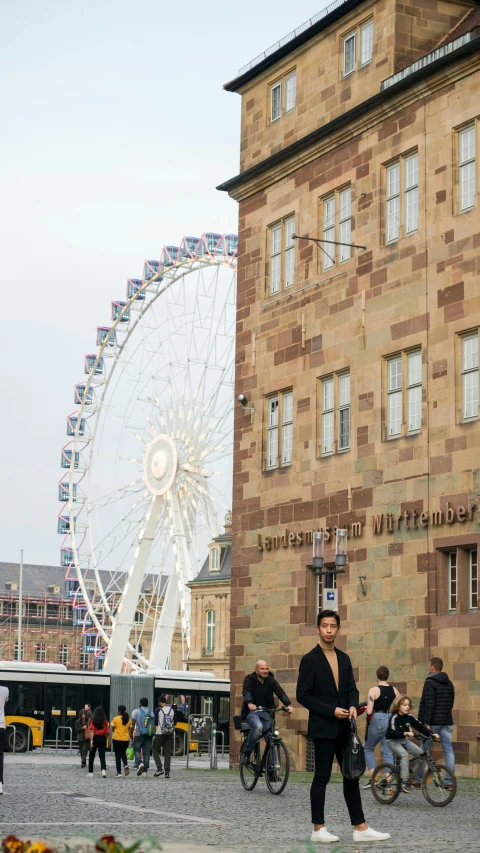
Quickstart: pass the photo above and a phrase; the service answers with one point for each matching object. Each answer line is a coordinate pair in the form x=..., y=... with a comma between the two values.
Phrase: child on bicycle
x=399, y=734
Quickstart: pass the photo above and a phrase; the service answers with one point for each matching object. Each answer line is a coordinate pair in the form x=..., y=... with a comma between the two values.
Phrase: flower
x=12, y=844
x=109, y=844
x=38, y=847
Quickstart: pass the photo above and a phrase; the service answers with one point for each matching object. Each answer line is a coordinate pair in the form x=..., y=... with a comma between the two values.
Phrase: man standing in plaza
x=3, y=701
x=257, y=691
x=435, y=712
x=326, y=686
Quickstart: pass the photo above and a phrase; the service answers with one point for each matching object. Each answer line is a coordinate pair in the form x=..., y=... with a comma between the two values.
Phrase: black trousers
x=84, y=746
x=120, y=749
x=167, y=742
x=325, y=750
x=2, y=750
x=98, y=742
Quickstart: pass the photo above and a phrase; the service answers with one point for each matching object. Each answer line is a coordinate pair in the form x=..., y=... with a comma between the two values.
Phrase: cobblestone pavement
x=52, y=797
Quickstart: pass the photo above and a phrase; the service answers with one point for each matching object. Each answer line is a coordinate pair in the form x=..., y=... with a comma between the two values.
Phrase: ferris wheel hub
x=160, y=464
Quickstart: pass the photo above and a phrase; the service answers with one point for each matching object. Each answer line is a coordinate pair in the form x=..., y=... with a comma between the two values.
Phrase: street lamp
x=341, y=539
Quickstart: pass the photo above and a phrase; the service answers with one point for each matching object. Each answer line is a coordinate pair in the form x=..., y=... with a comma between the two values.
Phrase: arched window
x=138, y=648
x=139, y=617
x=214, y=560
x=210, y=638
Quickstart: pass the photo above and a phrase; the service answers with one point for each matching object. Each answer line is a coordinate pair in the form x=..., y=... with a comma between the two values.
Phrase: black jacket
x=437, y=700
x=249, y=691
x=317, y=691
x=398, y=724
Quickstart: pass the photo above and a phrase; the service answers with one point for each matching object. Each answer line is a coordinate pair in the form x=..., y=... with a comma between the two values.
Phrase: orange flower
x=12, y=844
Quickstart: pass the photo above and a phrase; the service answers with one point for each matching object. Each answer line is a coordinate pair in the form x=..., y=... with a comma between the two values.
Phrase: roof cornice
x=350, y=124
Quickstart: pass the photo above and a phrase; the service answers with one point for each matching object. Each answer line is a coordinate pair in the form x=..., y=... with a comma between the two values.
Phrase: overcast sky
x=115, y=131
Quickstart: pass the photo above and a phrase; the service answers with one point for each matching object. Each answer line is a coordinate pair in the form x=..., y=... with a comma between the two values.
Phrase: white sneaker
x=1, y=788
x=90, y=774
x=370, y=834
x=323, y=836
x=104, y=774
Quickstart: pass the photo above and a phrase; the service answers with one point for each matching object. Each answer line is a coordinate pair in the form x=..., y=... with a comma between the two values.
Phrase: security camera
x=242, y=399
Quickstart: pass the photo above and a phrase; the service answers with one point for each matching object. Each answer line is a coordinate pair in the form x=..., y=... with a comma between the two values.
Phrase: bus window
x=25, y=699
x=183, y=701
x=206, y=705
x=224, y=709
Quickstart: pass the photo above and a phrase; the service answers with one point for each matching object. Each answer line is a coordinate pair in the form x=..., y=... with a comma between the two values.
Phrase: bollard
x=64, y=728
x=213, y=749
x=12, y=726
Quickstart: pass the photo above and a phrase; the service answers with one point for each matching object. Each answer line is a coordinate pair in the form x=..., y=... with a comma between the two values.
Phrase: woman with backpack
x=143, y=736
x=99, y=727
x=83, y=736
x=380, y=699
x=164, y=736
x=121, y=727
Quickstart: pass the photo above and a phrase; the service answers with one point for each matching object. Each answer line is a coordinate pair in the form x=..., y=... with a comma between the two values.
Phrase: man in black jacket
x=435, y=712
x=258, y=689
x=326, y=687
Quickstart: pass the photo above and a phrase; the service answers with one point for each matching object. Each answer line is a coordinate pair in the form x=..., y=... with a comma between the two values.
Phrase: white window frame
x=343, y=410
x=473, y=579
x=467, y=169
x=214, y=559
x=414, y=393
x=281, y=255
x=41, y=652
x=63, y=611
x=394, y=395
x=470, y=375
x=290, y=91
x=274, y=88
x=345, y=223
x=287, y=428
x=328, y=415
x=349, y=38
x=15, y=650
x=210, y=631
x=289, y=252
x=365, y=31
x=328, y=231
x=272, y=432
x=411, y=192
x=393, y=202
x=275, y=258
x=139, y=618
x=41, y=611
x=452, y=583
x=63, y=653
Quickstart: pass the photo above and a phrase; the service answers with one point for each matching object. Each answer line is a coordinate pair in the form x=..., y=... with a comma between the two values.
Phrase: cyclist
x=399, y=734
x=258, y=689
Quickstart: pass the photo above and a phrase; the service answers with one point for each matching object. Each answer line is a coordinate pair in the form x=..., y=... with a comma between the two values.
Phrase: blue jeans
x=377, y=728
x=259, y=722
x=446, y=738
x=143, y=743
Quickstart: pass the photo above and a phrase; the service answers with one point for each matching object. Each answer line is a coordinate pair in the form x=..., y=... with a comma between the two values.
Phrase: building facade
x=358, y=349
x=56, y=626
x=210, y=612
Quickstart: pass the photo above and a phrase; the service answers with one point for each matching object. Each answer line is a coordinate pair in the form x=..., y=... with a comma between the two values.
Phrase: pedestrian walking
x=380, y=699
x=143, y=732
x=258, y=690
x=165, y=720
x=99, y=727
x=4, y=694
x=435, y=711
x=399, y=734
x=83, y=736
x=121, y=729
x=326, y=687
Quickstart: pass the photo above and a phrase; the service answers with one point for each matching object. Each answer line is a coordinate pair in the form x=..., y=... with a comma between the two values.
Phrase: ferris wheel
x=148, y=464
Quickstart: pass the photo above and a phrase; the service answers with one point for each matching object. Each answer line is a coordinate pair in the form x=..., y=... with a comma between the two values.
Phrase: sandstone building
x=359, y=354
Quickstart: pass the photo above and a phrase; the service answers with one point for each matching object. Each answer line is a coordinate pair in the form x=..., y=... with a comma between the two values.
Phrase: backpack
x=146, y=726
x=167, y=722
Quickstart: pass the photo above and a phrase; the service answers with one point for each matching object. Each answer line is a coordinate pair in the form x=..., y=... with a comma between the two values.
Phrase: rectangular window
x=276, y=102
x=214, y=561
x=345, y=224
x=366, y=38
x=210, y=638
x=64, y=611
x=473, y=580
x=41, y=652
x=414, y=391
x=344, y=411
x=411, y=193
x=470, y=377
x=394, y=395
x=279, y=430
x=282, y=255
x=466, y=160
x=287, y=428
x=290, y=91
x=40, y=611
x=452, y=581
x=328, y=397
x=349, y=54
x=15, y=653
x=328, y=232
x=63, y=653
x=393, y=202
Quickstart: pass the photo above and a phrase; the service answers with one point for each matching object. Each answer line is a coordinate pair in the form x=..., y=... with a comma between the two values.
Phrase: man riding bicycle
x=257, y=691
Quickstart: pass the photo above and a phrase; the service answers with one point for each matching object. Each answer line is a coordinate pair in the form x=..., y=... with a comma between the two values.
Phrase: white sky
x=115, y=131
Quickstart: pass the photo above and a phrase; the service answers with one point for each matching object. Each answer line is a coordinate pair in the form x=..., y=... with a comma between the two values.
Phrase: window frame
x=368, y=25
x=336, y=218
x=273, y=87
x=465, y=372
x=347, y=38
x=464, y=164
x=397, y=198
x=403, y=391
x=331, y=414
x=279, y=427
x=292, y=75
x=473, y=580
x=63, y=653
x=281, y=255
x=214, y=550
x=41, y=651
x=210, y=631
x=452, y=597
x=141, y=617
x=410, y=191
x=41, y=611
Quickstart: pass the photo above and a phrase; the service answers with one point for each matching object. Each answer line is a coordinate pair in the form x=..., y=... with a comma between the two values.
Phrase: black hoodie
x=437, y=700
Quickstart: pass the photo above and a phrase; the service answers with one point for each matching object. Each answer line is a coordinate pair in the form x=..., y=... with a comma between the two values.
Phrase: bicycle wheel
x=433, y=786
x=385, y=784
x=277, y=767
x=249, y=772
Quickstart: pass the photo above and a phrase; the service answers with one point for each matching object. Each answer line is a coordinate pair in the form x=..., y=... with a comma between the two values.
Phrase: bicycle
x=275, y=761
x=386, y=780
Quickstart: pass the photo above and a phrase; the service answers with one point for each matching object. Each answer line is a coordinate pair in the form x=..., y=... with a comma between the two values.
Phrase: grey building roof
x=37, y=579
x=225, y=573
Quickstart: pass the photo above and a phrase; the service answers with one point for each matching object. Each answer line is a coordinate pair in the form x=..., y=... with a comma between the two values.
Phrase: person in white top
x=3, y=699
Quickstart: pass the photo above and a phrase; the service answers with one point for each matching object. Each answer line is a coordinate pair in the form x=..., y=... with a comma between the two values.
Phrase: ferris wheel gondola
x=149, y=454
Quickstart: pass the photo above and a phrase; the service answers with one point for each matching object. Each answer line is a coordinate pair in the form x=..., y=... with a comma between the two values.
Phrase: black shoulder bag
x=353, y=765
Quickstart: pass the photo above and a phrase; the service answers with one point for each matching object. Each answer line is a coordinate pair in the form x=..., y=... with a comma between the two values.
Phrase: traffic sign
x=330, y=599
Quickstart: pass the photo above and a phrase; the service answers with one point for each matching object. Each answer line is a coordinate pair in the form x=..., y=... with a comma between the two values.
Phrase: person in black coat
x=435, y=711
x=258, y=689
x=326, y=686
